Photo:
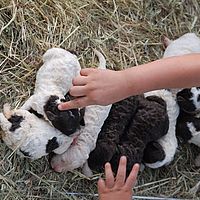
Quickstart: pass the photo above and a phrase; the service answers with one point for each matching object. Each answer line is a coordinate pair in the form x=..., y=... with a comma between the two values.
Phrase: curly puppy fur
x=162, y=151
x=77, y=155
x=66, y=122
x=188, y=122
x=53, y=81
x=31, y=136
x=28, y=133
x=132, y=123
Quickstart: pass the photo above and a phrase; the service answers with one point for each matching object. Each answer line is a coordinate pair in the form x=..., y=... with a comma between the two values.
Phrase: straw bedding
x=129, y=33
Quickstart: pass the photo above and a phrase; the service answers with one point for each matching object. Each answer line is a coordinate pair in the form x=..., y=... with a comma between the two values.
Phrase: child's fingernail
x=60, y=107
x=123, y=157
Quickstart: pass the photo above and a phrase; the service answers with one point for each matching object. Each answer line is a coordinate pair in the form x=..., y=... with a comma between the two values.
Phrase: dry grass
x=128, y=32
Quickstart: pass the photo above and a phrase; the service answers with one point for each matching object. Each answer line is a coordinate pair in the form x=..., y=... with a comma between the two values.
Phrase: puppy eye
x=15, y=120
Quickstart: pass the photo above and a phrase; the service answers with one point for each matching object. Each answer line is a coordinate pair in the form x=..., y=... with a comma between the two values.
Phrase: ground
x=129, y=33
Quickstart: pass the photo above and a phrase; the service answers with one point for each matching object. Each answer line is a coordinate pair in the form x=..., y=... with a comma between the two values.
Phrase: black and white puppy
x=31, y=136
x=66, y=121
x=53, y=81
x=188, y=122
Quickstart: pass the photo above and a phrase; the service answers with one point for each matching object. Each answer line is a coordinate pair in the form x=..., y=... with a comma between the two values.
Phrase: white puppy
x=77, y=154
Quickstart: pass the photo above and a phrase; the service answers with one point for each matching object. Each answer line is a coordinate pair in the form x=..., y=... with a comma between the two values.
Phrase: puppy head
x=67, y=161
x=15, y=127
x=66, y=121
x=189, y=100
x=22, y=133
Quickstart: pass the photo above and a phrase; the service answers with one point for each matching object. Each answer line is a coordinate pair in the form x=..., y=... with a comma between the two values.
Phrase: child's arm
x=119, y=187
x=104, y=87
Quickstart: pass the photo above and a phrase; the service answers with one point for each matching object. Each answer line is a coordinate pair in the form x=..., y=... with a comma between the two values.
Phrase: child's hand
x=96, y=86
x=119, y=187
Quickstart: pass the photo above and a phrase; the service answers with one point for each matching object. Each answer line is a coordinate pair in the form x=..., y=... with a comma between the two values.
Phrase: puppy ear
x=166, y=41
x=52, y=145
x=50, y=115
x=7, y=111
x=156, y=99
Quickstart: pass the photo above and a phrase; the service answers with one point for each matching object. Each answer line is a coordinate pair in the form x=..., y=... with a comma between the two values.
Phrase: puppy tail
x=7, y=111
x=102, y=60
x=166, y=41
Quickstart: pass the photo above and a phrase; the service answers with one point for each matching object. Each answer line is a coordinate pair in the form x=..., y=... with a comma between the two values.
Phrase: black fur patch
x=15, y=120
x=66, y=121
x=184, y=102
x=35, y=113
x=153, y=152
x=25, y=153
x=51, y=145
x=50, y=156
x=182, y=130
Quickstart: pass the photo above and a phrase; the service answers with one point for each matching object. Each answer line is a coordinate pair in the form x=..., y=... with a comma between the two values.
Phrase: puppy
x=31, y=136
x=53, y=81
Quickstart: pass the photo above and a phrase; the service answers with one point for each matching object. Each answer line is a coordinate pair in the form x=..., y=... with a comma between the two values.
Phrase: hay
x=128, y=32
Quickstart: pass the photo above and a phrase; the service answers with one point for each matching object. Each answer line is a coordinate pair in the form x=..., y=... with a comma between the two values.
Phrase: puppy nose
x=57, y=168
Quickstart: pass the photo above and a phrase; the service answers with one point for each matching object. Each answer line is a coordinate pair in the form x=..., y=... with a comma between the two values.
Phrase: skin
x=118, y=187
x=103, y=87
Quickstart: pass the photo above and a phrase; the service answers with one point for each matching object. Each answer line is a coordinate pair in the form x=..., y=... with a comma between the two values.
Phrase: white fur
x=34, y=133
x=195, y=134
x=188, y=43
x=53, y=78
x=168, y=141
x=76, y=156
x=32, y=136
x=195, y=94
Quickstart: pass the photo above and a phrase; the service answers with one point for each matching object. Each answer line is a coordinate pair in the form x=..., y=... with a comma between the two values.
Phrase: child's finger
x=79, y=102
x=101, y=185
x=131, y=180
x=79, y=80
x=86, y=71
x=78, y=91
x=109, y=176
x=121, y=172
